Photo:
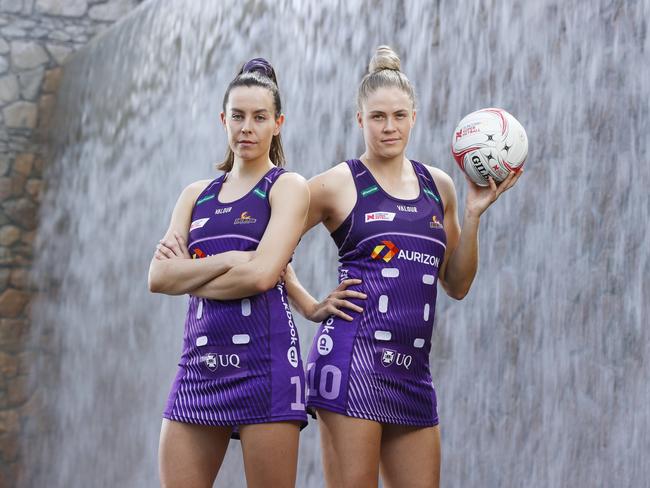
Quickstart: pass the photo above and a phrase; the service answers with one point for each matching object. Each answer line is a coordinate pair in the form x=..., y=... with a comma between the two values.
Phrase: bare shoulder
x=290, y=184
x=332, y=180
x=291, y=180
x=444, y=183
x=190, y=193
x=193, y=190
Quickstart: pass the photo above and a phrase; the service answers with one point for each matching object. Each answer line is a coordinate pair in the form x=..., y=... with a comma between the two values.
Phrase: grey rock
x=13, y=31
x=9, y=89
x=24, y=24
x=21, y=115
x=60, y=35
x=28, y=7
x=30, y=83
x=39, y=33
x=4, y=46
x=58, y=53
x=11, y=6
x=27, y=55
x=4, y=64
x=111, y=11
x=75, y=30
x=66, y=8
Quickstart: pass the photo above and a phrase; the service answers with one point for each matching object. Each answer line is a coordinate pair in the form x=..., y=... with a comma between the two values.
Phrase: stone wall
x=36, y=37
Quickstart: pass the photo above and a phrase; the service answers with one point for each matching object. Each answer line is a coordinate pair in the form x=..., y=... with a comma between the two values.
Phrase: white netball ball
x=489, y=142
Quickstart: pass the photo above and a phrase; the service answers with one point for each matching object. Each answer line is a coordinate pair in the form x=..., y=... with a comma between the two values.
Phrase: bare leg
x=350, y=450
x=270, y=454
x=410, y=456
x=190, y=455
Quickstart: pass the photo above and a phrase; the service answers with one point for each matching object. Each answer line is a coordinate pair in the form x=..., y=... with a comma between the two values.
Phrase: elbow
x=457, y=294
x=264, y=281
x=156, y=282
x=456, y=289
x=265, y=284
x=154, y=285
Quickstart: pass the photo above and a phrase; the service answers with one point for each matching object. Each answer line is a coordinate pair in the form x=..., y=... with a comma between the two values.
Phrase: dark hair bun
x=259, y=65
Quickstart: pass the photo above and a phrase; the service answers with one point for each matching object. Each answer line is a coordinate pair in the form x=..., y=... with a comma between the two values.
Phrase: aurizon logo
x=198, y=253
x=392, y=251
x=415, y=256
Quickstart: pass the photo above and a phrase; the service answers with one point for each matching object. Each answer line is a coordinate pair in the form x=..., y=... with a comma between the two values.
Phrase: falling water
x=542, y=371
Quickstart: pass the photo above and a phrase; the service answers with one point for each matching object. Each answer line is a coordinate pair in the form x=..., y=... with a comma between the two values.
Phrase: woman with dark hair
x=396, y=226
x=229, y=240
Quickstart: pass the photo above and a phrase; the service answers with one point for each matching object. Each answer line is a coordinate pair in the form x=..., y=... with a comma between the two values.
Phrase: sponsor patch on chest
x=380, y=216
x=197, y=224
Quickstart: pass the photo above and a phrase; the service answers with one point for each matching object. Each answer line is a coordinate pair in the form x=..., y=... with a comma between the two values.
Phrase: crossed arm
x=234, y=274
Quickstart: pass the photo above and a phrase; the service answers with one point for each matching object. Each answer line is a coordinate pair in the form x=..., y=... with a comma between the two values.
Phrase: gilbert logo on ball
x=489, y=142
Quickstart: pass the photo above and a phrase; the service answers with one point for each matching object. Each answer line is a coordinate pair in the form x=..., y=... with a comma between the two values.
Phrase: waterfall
x=541, y=372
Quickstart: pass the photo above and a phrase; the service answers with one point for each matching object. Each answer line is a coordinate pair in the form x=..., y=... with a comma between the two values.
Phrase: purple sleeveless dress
x=241, y=359
x=377, y=367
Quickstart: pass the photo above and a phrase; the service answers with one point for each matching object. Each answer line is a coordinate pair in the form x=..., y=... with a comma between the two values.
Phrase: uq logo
x=213, y=361
x=390, y=357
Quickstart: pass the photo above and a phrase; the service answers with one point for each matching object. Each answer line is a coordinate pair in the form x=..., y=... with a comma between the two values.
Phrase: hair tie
x=260, y=65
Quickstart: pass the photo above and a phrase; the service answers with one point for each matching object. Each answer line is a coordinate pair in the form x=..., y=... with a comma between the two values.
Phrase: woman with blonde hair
x=395, y=223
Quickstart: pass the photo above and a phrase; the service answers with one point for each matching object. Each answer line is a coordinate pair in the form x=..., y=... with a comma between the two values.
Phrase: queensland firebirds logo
x=435, y=223
x=245, y=218
x=392, y=251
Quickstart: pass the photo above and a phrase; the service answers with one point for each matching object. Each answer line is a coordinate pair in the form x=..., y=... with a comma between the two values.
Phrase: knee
x=358, y=478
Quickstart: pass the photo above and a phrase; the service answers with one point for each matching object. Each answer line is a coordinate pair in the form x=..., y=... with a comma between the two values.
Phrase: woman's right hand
x=337, y=300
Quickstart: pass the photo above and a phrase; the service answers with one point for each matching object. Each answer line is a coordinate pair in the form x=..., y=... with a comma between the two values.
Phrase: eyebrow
x=259, y=110
x=381, y=112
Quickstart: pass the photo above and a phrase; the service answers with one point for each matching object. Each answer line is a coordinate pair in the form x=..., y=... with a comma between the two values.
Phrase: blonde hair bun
x=384, y=58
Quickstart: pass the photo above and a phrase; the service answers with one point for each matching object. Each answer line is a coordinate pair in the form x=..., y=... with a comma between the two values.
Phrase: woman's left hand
x=175, y=248
x=479, y=198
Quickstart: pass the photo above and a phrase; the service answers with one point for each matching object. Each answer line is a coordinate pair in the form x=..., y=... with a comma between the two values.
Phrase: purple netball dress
x=241, y=359
x=377, y=367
